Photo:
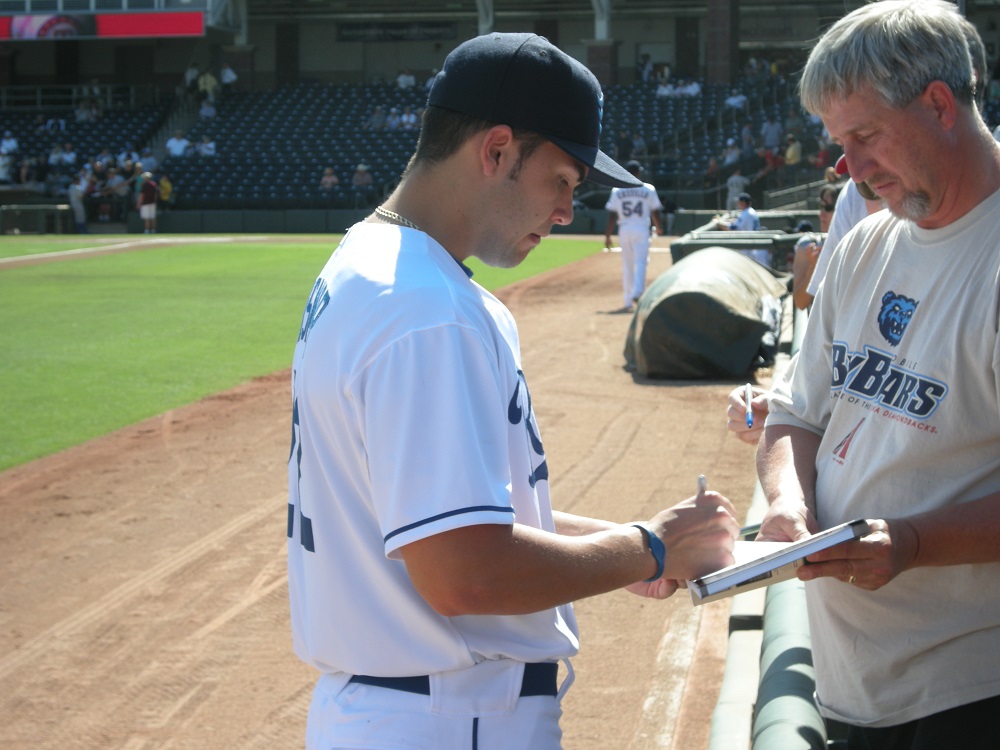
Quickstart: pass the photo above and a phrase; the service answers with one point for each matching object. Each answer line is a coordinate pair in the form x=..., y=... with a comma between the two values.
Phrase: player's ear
x=496, y=145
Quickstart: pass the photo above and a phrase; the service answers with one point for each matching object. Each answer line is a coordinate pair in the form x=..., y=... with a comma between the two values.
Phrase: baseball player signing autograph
x=430, y=578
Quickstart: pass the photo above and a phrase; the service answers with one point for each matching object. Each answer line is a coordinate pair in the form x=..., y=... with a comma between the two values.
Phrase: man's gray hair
x=894, y=49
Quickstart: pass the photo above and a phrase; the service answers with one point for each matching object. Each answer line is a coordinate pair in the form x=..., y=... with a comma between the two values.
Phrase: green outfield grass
x=89, y=345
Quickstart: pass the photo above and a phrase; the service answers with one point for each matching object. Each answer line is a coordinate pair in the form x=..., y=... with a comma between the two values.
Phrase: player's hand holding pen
x=698, y=534
x=747, y=422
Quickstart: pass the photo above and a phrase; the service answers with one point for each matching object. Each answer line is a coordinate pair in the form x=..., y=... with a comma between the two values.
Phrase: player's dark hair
x=443, y=131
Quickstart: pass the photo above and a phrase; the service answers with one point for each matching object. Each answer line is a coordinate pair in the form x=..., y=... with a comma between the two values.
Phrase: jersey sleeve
x=612, y=204
x=654, y=200
x=435, y=431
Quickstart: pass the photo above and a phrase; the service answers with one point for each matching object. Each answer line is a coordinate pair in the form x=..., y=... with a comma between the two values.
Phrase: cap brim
x=602, y=168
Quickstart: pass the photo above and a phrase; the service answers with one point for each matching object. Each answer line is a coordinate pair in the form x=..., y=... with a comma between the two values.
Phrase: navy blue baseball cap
x=526, y=82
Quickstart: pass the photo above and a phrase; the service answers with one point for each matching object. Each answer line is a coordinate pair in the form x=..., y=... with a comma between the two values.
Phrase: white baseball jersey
x=411, y=417
x=634, y=206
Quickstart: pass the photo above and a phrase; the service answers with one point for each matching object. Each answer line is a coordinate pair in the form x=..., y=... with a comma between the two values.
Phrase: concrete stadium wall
x=334, y=221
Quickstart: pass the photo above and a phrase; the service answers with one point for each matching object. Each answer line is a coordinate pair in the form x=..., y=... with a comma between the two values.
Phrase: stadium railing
x=766, y=700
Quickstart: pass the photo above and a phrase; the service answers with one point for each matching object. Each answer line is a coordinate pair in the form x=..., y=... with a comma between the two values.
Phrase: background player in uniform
x=430, y=580
x=633, y=208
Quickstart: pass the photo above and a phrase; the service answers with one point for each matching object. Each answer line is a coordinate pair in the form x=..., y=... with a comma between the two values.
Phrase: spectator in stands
x=904, y=620
x=116, y=193
x=794, y=124
x=178, y=144
x=54, y=158
x=68, y=156
x=664, y=89
x=406, y=80
x=408, y=120
x=645, y=68
x=227, y=78
x=148, y=159
x=329, y=179
x=772, y=134
x=9, y=143
x=6, y=168
x=639, y=148
x=167, y=193
x=623, y=146
x=128, y=154
x=135, y=181
x=737, y=100
x=363, y=185
x=106, y=157
x=149, y=196
x=83, y=113
x=376, y=120
x=731, y=154
x=76, y=194
x=98, y=204
x=208, y=86
x=207, y=109
x=712, y=179
x=191, y=80
x=362, y=176
x=993, y=93
x=748, y=144
x=821, y=159
x=772, y=163
x=688, y=88
x=392, y=121
x=736, y=184
x=792, y=157
x=28, y=171
x=827, y=199
x=206, y=146
x=55, y=124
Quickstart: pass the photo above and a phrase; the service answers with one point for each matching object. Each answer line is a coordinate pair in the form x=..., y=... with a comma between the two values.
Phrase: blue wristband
x=657, y=547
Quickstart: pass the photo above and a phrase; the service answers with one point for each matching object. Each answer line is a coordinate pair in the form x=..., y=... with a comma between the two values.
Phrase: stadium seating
x=113, y=130
x=272, y=146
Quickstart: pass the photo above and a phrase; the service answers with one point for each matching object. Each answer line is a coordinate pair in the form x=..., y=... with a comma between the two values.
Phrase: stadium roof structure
x=452, y=9
x=360, y=10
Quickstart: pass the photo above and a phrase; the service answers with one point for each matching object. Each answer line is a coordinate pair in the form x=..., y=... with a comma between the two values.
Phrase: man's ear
x=939, y=97
x=496, y=146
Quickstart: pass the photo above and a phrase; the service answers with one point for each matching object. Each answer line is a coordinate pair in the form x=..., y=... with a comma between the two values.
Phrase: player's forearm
x=570, y=524
x=507, y=570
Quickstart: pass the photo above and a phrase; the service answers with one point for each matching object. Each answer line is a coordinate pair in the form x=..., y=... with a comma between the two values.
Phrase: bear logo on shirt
x=895, y=316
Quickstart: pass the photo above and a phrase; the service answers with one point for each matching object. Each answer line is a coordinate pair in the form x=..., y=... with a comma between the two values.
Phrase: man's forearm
x=786, y=466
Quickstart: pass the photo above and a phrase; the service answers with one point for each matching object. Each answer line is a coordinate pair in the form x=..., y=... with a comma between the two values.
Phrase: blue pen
x=748, y=397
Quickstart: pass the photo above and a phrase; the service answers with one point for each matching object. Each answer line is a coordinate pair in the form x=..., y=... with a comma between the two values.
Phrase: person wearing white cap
x=430, y=578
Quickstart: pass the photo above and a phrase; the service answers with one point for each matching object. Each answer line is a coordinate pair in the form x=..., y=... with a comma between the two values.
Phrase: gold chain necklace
x=395, y=218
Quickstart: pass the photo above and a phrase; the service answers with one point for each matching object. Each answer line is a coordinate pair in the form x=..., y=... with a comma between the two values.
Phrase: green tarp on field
x=714, y=314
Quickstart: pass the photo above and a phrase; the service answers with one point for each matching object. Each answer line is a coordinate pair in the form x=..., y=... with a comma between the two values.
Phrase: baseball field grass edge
x=91, y=345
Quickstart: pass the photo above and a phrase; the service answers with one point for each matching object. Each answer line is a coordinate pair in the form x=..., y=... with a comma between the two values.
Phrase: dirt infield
x=143, y=601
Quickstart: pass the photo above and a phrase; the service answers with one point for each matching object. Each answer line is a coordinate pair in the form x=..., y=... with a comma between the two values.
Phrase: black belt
x=539, y=679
